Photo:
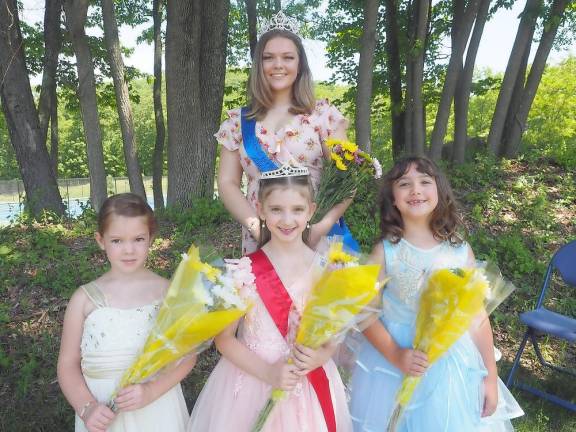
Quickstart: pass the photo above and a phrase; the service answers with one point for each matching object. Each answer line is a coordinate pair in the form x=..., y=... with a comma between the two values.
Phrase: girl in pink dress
x=290, y=126
x=255, y=351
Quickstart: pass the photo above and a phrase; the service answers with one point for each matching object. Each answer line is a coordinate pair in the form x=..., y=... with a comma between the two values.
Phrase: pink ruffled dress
x=232, y=399
x=300, y=140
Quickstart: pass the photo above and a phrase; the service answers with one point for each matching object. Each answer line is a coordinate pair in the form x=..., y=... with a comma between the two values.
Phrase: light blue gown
x=449, y=397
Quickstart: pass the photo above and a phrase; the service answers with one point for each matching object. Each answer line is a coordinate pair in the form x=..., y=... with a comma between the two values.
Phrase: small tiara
x=285, y=171
x=280, y=21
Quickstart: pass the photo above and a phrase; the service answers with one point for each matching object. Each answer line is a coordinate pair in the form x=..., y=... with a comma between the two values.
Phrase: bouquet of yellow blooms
x=348, y=168
x=199, y=304
x=340, y=298
x=449, y=304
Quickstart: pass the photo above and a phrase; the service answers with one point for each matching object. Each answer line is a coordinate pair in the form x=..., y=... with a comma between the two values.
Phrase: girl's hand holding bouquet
x=342, y=297
x=199, y=304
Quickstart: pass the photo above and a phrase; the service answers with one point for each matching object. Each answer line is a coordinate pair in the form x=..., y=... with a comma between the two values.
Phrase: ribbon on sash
x=259, y=157
x=278, y=303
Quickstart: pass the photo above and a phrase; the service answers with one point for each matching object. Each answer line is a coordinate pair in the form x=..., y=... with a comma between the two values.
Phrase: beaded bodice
x=113, y=329
x=407, y=264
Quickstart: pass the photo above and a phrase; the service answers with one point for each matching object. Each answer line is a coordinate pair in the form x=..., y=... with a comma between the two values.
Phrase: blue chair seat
x=546, y=321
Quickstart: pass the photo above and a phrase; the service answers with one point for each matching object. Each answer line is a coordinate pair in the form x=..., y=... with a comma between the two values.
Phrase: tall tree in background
x=252, y=15
x=76, y=12
x=464, y=86
x=196, y=34
x=394, y=65
x=158, y=158
x=365, y=74
x=415, y=121
x=464, y=14
x=122, y=98
x=22, y=118
x=48, y=102
x=521, y=44
x=519, y=113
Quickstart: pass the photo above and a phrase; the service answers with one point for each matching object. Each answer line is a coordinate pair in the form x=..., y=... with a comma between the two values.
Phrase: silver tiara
x=280, y=21
x=285, y=170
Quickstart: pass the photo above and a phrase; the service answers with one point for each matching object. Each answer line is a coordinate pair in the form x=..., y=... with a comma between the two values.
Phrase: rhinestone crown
x=285, y=171
x=280, y=21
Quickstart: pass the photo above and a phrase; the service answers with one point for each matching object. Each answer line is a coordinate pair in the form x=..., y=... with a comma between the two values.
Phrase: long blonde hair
x=259, y=92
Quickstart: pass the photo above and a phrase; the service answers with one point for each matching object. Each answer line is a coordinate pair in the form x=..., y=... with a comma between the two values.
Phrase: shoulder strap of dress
x=95, y=294
x=388, y=251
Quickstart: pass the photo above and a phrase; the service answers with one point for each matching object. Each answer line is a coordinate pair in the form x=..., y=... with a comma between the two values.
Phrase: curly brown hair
x=445, y=221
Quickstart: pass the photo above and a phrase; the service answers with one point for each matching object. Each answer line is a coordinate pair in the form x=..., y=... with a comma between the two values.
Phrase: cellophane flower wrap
x=342, y=296
x=453, y=301
x=347, y=169
x=199, y=304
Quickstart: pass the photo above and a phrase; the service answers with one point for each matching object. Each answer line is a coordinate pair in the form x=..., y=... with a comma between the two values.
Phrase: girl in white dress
x=106, y=324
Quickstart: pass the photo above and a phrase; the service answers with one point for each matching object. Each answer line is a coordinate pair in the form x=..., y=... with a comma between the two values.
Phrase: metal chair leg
x=543, y=362
x=517, y=358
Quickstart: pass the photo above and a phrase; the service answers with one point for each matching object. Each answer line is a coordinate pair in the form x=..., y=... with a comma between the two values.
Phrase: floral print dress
x=300, y=140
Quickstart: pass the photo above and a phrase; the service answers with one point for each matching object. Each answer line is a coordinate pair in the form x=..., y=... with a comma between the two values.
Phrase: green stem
x=263, y=416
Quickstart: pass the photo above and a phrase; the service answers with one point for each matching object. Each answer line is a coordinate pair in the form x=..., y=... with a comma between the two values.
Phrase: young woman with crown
x=284, y=123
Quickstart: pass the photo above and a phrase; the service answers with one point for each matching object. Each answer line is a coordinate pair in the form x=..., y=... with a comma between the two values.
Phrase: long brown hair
x=267, y=186
x=129, y=205
x=444, y=221
x=259, y=93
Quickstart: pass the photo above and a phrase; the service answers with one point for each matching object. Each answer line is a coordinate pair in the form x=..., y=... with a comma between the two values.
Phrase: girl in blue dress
x=461, y=391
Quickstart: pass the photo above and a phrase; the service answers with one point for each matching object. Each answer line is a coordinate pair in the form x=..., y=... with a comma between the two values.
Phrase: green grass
x=518, y=213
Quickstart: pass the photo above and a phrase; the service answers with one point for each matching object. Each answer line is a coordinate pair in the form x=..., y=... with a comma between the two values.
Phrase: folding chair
x=543, y=321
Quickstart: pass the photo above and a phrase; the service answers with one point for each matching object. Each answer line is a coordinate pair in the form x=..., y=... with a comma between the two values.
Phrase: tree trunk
x=52, y=44
x=515, y=99
x=365, y=74
x=464, y=86
x=409, y=100
x=277, y=6
x=525, y=29
x=54, y=137
x=463, y=26
x=394, y=77
x=22, y=118
x=196, y=35
x=122, y=99
x=535, y=76
x=76, y=11
x=419, y=50
x=252, y=14
x=158, y=158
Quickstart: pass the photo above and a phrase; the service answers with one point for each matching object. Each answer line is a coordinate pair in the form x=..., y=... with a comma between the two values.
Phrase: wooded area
x=390, y=56
x=405, y=74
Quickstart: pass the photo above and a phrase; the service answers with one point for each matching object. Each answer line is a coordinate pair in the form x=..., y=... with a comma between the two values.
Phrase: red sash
x=278, y=303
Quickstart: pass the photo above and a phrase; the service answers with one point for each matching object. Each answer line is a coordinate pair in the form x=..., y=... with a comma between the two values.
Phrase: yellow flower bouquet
x=342, y=296
x=451, y=302
x=199, y=304
x=348, y=168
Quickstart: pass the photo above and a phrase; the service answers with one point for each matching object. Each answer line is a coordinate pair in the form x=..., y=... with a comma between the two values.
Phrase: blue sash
x=252, y=146
x=257, y=155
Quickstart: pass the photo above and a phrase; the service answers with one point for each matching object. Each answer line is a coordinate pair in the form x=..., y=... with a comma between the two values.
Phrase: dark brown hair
x=129, y=205
x=444, y=221
x=259, y=93
x=267, y=186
